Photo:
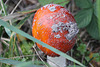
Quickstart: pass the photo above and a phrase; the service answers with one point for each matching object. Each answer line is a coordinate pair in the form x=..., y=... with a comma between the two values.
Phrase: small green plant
x=82, y=48
x=87, y=17
x=87, y=55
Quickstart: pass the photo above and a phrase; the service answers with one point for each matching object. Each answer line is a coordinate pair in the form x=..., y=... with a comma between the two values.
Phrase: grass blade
x=5, y=13
x=17, y=14
x=18, y=63
x=3, y=7
x=5, y=24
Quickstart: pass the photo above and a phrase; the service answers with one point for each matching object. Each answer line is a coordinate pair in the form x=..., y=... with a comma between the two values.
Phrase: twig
x=91, y=65
x=5, y=39
x=6, y=1
x=5, y=43
x=19, y=49
x=14, y=10
x=83, y=57
x=15, y=7
x=1, y=49
x=39, y=55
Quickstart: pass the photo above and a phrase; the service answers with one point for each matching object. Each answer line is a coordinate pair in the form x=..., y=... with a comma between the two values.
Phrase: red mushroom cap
x=55, y=26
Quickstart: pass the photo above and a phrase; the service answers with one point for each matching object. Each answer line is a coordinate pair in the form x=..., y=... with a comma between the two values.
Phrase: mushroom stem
x=56, y=61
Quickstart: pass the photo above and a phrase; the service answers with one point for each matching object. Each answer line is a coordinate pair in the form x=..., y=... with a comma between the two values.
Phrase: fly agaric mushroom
x=55, y=26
